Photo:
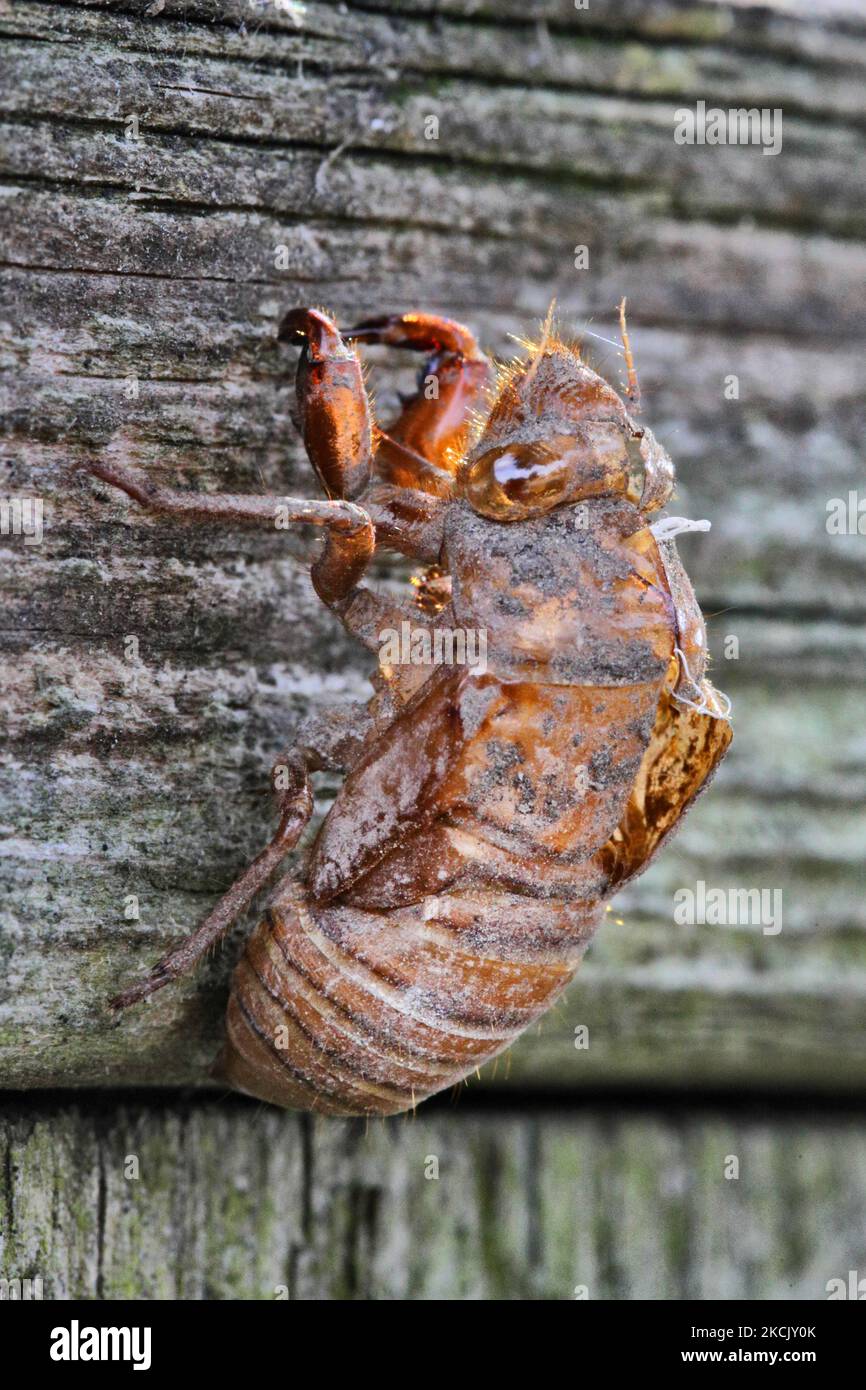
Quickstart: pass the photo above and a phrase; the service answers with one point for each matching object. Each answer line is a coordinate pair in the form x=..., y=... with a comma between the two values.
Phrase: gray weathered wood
x=149, y=266
x=235, y=1202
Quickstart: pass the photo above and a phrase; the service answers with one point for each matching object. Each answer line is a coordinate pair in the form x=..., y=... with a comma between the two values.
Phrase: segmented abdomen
x=353, y=1013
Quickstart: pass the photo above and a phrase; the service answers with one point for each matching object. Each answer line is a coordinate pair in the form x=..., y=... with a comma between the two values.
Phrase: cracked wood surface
x=143, y=292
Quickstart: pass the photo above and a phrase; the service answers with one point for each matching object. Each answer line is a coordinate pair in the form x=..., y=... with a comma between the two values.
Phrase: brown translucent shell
x=489, y=809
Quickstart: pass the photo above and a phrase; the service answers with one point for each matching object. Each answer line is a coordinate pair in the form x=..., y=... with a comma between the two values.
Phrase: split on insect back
x=487, y=814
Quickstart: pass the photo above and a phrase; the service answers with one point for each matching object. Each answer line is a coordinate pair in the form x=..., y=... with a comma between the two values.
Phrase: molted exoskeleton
x=490, y=806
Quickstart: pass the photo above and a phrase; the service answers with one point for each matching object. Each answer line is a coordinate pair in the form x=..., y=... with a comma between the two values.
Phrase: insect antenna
x=633, y=391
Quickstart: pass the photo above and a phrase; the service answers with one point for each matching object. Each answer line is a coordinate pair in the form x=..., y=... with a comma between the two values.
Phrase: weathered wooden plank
x=826, y=32
x=524, y=49
x=231, y=1201
x=804, y=27
x=112, y=240
x=149, y=266
x=735, y=277
x=614, y=141
x=234, y=1203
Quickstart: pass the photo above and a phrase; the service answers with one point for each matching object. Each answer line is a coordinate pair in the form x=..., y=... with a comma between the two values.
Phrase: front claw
x=419, y=333
x=333, y=410
x=314, y=331
x=432, y=426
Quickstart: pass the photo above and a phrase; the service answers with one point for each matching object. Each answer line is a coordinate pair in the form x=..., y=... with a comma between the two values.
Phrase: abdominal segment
x=399, y=981
x=356, y=1013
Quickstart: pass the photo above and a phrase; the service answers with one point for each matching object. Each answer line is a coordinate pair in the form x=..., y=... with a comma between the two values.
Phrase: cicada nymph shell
x=490, y=808
x=468, y=858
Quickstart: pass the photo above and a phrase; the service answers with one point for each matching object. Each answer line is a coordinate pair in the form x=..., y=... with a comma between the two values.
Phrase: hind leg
x=328, y=740
x=333, y=737
x=292, y=783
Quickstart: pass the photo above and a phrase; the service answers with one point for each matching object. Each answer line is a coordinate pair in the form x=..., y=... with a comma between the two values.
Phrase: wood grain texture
x=143, y=296
x=232, y=1202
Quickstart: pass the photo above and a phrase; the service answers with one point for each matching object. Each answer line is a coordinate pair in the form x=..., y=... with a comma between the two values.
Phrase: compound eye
x=519, y=480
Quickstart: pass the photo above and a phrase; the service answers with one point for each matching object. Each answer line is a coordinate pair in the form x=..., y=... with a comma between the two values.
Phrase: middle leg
x=350, y=537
